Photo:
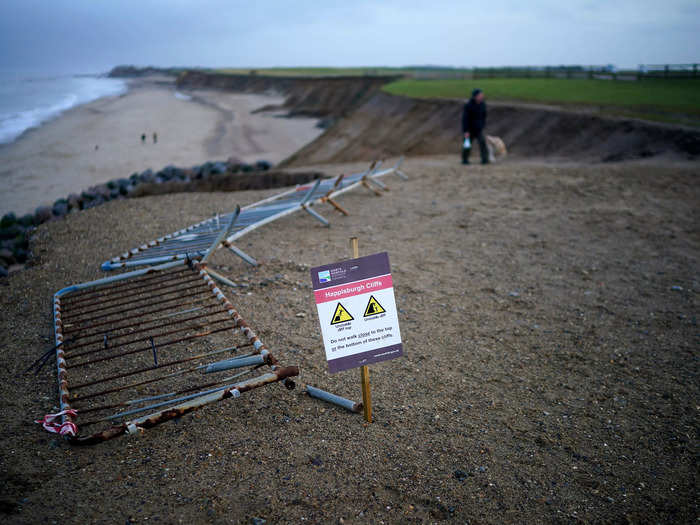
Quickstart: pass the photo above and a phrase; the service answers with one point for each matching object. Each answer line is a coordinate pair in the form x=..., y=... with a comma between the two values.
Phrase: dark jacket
x=473, y=117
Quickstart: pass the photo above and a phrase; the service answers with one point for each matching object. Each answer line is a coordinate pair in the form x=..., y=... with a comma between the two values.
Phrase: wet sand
x=101, y=141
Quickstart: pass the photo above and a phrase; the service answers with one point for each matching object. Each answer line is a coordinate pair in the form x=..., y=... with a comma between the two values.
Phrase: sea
x=28, y=100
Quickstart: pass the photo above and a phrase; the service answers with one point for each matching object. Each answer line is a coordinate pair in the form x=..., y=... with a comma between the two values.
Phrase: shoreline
x=99, y=141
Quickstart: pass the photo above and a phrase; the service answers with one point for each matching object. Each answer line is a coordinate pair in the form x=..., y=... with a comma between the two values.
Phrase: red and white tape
x=51, y=424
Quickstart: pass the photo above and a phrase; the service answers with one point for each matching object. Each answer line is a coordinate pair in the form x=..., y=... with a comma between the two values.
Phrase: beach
x=101, y=140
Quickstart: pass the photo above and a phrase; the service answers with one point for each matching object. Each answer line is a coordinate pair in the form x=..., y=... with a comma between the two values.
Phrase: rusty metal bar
x=141, y=329
x=160, y=378
x=145, y=422
x=135, y=316
x=147, y=348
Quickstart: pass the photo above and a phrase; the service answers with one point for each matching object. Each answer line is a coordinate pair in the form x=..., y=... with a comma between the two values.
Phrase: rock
x=301, y=314
x=8, y=220
x=21, y=255
x=114, y=194
x=42, y=214
x=60, y=208
x=112, y=184
x=146, y=176
x=218, y=168
x=6, y=257
x=102, y=189
x=134, y=178
x=460, y=475
x=99, y=199
x=317, y=461
x=21, y=241
x=3, y=271
x=73, y=201
x=258, y=521
x=26, y=220
x=11, y=232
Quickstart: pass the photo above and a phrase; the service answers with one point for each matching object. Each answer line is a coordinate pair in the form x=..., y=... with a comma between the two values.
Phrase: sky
x=91, y=36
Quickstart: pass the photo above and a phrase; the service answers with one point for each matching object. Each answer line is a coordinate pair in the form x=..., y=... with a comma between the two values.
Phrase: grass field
x=657, y=99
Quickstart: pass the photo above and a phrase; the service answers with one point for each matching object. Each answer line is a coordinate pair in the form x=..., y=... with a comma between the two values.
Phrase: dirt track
x=549, y=315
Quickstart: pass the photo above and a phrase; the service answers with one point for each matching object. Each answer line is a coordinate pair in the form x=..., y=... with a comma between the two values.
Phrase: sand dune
x=102, y=140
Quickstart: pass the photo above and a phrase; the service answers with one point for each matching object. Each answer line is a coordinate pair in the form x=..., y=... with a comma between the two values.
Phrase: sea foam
x=28, y=101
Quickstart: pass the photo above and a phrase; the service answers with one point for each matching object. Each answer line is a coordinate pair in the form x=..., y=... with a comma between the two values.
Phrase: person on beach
x=473, y=123
x=155, y=137
x=143, y=138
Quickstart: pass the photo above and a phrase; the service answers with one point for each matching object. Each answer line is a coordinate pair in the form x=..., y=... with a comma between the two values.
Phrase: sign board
x=357, y=312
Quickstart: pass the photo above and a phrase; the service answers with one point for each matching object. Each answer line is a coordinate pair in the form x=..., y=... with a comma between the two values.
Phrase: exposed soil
x=549, y=316
x=388, y=125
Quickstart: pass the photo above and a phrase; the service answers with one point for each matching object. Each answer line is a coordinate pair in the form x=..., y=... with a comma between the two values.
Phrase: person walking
x=473, y=123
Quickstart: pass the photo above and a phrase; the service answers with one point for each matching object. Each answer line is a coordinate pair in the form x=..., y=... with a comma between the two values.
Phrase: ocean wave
x=53, y=97
x=182, y=96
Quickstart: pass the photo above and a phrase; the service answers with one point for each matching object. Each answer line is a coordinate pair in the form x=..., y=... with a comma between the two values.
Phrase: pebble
x=460, y=475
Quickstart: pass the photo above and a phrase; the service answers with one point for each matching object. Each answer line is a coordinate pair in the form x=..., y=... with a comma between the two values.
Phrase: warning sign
x=341, y=315
x=373, y=307
x=357, y=297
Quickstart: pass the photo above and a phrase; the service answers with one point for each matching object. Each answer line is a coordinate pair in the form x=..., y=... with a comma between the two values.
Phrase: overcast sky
x=94, y=35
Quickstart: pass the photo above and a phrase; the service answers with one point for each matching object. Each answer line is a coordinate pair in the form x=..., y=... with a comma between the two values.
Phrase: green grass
x=657, y=99
x=331, y=71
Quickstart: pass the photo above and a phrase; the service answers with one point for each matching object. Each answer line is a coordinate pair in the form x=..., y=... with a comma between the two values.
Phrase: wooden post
x=364, y=370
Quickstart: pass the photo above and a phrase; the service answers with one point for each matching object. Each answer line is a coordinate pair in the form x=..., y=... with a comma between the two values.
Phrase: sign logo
x=373, y=307
x=324, y=276
x=341, y=315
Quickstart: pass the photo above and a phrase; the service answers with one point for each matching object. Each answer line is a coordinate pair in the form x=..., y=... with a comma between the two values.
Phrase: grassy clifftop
x=673, y=100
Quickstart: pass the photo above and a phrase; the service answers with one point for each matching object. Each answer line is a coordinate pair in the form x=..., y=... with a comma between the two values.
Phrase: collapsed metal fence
x=137, y=349
x=140, y=348
x=195, y=241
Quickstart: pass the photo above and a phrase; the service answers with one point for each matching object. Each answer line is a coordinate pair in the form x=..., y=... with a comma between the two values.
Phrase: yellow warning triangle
x=373, y=307
x=341, y=315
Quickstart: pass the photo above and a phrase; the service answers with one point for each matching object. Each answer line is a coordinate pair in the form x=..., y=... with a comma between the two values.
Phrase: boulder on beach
x=42, y=214
x=8, y=220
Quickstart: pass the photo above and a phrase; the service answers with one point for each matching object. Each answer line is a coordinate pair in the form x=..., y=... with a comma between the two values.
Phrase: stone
x=21, y=255
x=26, y=220
x=11, y=232
x=146, y=176
x=8, y=220
x=42, y=214
x=60, y=208
x=73, y=201
x=218, y=168
x=7, y=257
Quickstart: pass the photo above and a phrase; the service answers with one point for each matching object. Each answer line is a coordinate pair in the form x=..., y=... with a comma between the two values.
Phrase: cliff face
x=315, y=97
x=368, y=123
x=388, y=125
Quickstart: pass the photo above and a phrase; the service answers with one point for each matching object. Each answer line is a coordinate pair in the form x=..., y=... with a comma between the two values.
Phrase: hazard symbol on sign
x=373, y=307
x=341, y=315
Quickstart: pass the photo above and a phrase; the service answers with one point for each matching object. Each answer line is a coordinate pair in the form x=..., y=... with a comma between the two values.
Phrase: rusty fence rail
x=143, y=347
x=195, y=241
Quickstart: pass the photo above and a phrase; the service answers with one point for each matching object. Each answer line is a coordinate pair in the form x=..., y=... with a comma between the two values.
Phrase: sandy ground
x=101, y=141
x=549, y=316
